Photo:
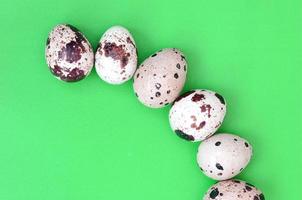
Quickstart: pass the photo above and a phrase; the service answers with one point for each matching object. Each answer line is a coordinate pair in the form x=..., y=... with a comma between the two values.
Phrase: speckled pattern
x=160, y=78
x=233, y=190
x=223, y=156
x=116, y=56
x=197, y=114
x=68, y=53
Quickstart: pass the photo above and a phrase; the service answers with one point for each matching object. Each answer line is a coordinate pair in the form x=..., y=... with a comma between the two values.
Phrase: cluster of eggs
x=158, y=81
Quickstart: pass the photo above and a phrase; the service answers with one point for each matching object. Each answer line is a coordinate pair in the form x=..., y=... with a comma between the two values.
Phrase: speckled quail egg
x=197, y=114
x=68, y=53
x=233, y=190
x=160, y=78
x=223, y=156
x=116, y=56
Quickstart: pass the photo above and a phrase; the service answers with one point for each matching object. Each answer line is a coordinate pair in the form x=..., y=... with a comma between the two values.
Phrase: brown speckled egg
x=223, y=156
x=160, y=78
x=116, y=56
x=233, y=190
x=197, y=114
x=69, y=55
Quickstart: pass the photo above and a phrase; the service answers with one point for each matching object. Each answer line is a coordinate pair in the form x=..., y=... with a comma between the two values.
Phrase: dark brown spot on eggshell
x=214, y=193
x=246, y=144
x=248, y=188
x=197, y=97
x=56, y=70
x=206, y=107
x=200, y=126
x=184, y=136
x=221, y=99
x=116, y=53
x=217, y=143
x=130, y=41
x=71, y=52
x=158, y=86
x=79, y=36
x=183, y=96
x=261, y=196
x=75, y=74
x=72, y=28
x=47, y=41
x=218, y=166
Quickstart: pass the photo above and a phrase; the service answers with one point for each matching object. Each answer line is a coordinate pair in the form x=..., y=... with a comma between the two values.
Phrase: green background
x=91, y=140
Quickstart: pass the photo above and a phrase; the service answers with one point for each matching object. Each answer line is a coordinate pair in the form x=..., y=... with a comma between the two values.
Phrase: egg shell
x=68, y=53
x=116, y=56
x=233, y=190
x=197, y=114
x=223, y=156
x=160, y=78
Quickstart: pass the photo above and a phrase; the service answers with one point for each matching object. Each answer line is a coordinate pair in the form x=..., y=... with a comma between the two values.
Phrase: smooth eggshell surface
x=233, y=190
x=223, y=156
x=160, y=78
x=116, y=56
x=68, y=53
x=197, y=114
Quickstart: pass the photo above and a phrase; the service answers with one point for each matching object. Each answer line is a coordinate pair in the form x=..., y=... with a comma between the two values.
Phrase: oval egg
x=68, y=53
x=223, y=156
x=197, y=114
x=116, y=56
x=160, y=78
x=233, y=190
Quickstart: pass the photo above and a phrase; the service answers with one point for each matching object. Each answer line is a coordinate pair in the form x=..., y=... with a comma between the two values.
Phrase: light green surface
x=91, y=141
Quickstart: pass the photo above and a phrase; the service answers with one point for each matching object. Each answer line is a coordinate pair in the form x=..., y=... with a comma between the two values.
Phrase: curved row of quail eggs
x=194, y=116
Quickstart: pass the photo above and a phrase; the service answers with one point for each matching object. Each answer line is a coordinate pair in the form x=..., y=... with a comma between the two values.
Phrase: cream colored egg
x=233, y=190
x=116, y=56
x=68, y=53
x=224, y=156
x=160, y=78
x=197, y=114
